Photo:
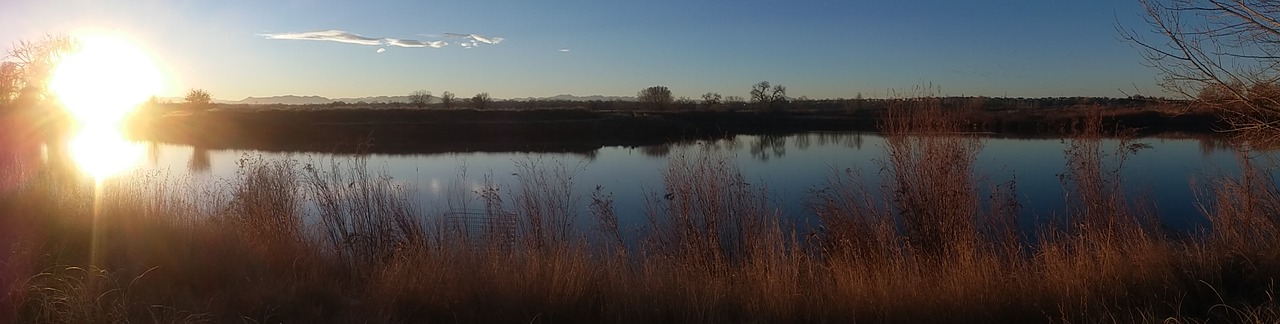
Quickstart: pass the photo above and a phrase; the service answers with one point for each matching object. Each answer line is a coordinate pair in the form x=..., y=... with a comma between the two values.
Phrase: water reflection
x=765, y=146
x=1211, y=144
x=762, y=147
x=199, y=160
x=789, y=165
x=102, y=152
x=849, y=140
x=802, y=141
x=153, y=153
x=660, y=150
x=53, y=146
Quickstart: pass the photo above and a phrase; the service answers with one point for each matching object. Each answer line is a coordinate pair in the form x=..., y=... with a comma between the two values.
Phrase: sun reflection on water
x=102, y=152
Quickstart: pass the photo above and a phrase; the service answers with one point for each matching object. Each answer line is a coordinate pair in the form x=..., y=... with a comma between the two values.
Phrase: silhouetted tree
x=446, y=99
x=198, y=100
x=10, y=82
x=779, y=97
x=420, y=98
x=760, y=93
x=1216, y=52
x=686, y=103
x=481, y=101
x=655, y=98
x=767, y=97
x=711, y=100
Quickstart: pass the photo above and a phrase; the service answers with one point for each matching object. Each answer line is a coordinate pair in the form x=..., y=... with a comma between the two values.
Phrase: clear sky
x=819, y=49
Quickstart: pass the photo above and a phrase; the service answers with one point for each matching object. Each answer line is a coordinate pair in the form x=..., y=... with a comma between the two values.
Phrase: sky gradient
x=818, y=49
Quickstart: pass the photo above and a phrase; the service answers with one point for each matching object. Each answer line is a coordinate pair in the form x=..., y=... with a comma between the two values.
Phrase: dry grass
x=929, y=240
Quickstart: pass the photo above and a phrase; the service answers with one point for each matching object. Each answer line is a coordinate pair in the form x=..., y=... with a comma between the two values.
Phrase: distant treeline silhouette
x=719, y=104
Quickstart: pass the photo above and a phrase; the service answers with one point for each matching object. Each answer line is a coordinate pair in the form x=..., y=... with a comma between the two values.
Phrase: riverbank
x=580, y=130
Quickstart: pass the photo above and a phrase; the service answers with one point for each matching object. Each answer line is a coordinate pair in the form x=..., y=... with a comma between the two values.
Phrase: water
x=788, y=166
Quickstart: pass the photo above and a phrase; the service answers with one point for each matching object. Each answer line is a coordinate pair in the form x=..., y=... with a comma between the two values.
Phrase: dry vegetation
x=930, y=240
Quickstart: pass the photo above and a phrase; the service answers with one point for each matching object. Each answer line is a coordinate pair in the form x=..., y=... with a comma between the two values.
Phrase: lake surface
x=789, y=166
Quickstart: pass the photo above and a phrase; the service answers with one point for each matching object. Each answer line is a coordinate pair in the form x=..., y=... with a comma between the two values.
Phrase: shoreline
x=407, y=131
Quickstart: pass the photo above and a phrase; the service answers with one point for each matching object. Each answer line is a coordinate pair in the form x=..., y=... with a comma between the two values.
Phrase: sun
x=103, y=79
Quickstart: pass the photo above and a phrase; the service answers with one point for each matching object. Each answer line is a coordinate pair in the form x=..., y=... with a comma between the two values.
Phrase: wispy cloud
x=563, y=50
x=334, y=35
x=473, y=40
x=415, y=43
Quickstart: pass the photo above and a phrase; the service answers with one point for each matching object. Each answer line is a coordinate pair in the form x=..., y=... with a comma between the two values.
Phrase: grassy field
x=914, y=245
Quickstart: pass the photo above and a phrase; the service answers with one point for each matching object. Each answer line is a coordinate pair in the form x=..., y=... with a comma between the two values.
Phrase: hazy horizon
x=513, y=49
x=569, y=96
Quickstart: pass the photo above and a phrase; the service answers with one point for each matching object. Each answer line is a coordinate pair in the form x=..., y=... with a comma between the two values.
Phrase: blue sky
x=819, y=49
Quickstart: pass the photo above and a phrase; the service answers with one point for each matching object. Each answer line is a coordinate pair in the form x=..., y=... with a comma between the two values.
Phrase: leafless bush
x=365, y=218
x=265, y=201
x=546, y=201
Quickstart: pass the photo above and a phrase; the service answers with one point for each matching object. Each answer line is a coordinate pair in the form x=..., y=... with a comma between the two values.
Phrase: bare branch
x=1223, y=53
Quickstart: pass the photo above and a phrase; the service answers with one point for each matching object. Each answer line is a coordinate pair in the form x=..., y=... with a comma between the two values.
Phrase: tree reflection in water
x=763, y=147
x=199, y=160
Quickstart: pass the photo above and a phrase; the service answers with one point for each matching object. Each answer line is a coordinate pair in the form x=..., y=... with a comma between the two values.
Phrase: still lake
x=789, y=166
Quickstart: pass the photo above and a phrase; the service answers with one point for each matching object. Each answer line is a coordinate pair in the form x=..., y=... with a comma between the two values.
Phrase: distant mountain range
x=318, y=100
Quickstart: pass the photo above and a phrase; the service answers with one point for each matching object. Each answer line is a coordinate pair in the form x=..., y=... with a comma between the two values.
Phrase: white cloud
x=474, y=39
x=563, y=50
x=414, y=43
x=334, y=35
x=486, y=40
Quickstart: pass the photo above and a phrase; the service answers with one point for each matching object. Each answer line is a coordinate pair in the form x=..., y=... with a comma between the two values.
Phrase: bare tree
x=34, y=60
x=711, y=100
x=779, y=97
x=769, y=97
x=1224, y=54
x=685, y=103
x=447, y=99
x=481, y=101
x=420, y=98
x=655, y=98
x=198, y=100
x=760, y=93
x=10, y=82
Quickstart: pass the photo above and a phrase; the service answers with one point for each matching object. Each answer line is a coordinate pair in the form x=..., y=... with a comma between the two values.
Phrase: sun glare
x=99, y=83
x=104, y=79
x=102, y=152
